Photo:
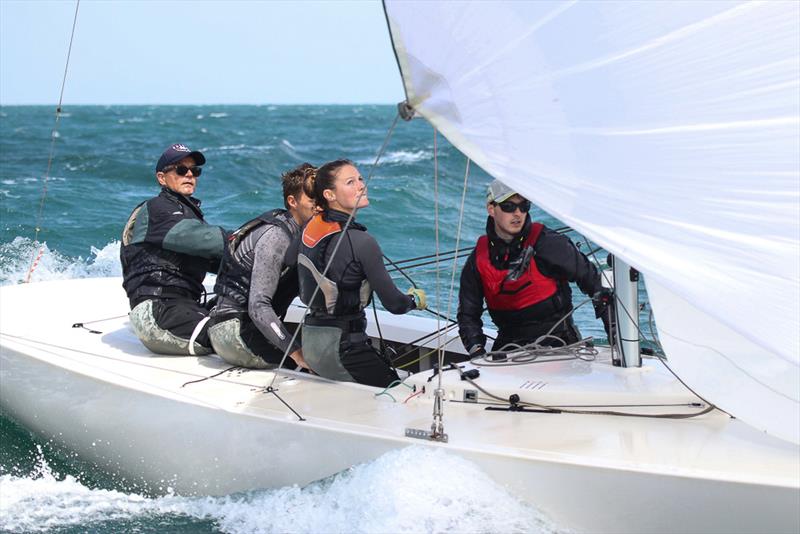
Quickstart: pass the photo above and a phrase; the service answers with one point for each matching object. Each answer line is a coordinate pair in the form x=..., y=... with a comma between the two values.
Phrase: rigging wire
x=35, y=257
x=339, y=240
x=437, y=426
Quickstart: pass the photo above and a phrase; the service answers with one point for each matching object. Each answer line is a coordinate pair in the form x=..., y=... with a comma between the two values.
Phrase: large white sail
x=667, y=132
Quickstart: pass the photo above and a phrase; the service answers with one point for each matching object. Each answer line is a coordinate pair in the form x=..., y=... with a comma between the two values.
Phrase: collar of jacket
x=193, y=203
x=341, y=217
x=502, y=253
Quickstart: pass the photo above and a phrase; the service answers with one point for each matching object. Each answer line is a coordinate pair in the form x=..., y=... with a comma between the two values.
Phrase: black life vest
x=151, y=271
x=334, y=297
x=233, y=280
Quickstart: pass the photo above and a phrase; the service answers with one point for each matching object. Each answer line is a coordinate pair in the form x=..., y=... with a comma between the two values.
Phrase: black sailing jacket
x=167, y=248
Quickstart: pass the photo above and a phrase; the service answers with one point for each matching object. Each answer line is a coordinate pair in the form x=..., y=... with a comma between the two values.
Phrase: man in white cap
x=522, y=270
x=167, y=248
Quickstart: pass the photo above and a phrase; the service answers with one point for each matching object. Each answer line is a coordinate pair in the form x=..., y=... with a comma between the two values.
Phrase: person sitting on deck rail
x=258, y=280
x=522, y=270
x=167, y=248
x=347, y=264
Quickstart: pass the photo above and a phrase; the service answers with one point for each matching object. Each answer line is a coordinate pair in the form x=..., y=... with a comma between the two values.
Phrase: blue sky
x=198, y=52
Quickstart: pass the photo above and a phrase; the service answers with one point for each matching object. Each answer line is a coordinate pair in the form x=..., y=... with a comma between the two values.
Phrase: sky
x=197, y=52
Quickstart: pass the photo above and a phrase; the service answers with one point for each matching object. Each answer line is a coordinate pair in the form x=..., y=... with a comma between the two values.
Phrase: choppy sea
x=103, y=165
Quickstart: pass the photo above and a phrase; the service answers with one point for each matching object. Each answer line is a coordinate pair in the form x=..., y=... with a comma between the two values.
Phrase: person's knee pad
x=227, y=341
x=158, y=340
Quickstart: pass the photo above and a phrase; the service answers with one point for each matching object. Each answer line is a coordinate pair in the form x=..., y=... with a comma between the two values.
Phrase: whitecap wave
x=400, y=157
x=416, y=489
x=219, y=115
x=17, y=258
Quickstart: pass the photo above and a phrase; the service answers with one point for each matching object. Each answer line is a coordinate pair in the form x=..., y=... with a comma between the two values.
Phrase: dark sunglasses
x=181, y=170
x=510, y=207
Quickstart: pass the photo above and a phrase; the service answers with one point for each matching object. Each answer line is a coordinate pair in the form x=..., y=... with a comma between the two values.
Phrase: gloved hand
x=601, y=300
x=419, y=297
x=477, y=351
x=605, y=310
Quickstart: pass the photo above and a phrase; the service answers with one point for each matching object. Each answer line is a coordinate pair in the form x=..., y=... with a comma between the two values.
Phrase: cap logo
x=180, y=148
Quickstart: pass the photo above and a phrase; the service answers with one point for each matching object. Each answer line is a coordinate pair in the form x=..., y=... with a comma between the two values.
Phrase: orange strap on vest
x=317, y=229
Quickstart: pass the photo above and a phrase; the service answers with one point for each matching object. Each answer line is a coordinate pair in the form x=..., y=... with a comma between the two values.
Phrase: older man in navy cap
x=167, y=248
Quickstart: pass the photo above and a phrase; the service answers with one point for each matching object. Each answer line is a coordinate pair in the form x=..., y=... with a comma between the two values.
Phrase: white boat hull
x=133, y=413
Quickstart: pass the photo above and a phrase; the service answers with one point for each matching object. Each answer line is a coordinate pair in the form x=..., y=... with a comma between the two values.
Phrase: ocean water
x=103, y=165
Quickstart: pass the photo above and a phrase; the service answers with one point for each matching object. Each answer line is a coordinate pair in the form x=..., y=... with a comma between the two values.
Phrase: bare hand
x=297, y=356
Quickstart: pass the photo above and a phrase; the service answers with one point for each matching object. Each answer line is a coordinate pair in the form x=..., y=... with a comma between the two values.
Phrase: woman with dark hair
x=339, y=268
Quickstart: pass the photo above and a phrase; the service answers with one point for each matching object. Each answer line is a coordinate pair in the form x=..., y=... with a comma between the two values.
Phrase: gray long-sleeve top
x=263, y=250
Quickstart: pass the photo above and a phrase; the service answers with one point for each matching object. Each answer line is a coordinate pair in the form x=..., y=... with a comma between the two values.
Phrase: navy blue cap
x=177, y=152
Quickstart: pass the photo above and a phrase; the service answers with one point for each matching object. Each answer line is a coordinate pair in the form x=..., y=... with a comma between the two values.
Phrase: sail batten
x=668, y=133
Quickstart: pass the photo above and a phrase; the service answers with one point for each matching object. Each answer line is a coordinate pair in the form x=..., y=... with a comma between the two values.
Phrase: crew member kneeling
x=522, y=270
x=167, y=248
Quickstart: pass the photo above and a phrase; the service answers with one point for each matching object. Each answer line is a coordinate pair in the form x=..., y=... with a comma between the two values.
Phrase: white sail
x=667, y=132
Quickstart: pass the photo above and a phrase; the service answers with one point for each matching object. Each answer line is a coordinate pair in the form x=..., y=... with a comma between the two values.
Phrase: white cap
x=499, y=192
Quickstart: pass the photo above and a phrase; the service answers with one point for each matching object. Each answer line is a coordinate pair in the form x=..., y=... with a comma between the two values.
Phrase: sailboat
x=667, y=133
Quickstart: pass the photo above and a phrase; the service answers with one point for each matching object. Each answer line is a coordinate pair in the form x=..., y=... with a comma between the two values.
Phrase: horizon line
x=64, y=105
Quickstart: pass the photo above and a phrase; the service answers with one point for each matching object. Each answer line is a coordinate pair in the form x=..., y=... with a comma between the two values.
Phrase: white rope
x=53, y=136
x=458, y=239
x=439, y=351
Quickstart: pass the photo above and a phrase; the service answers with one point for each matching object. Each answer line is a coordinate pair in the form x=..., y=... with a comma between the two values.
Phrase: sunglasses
x=510, y=207
x=181, y=170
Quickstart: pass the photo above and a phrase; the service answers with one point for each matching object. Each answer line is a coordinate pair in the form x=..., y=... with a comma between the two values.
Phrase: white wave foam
x=411, y=490
x=131, y=119
x=43, y=501
x=217, y=115
x=401, y=156
x=16, y=257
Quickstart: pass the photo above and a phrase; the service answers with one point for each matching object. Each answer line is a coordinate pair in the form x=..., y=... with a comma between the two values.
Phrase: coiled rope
x=37, y=256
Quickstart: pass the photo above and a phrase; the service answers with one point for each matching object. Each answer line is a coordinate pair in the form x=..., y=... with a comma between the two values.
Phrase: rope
x=212, y=376
x=53, y=135
x=338, y=243
x=458, y=239
x=440, y=354
x=553, y=409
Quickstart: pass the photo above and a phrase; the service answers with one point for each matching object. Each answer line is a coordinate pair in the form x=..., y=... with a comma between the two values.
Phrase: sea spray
x=410, y=490
x=16, y=261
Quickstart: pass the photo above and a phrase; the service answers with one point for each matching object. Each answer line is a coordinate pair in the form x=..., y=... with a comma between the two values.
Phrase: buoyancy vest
x=505, y=292
x=150, y=271
x=335, y=296
x=233, y=280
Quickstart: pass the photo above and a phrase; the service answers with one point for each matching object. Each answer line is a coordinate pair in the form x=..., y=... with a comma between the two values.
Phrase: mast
x=626, y=306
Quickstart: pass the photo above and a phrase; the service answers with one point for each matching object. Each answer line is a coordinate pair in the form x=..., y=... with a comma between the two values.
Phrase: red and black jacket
x=525, y=284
